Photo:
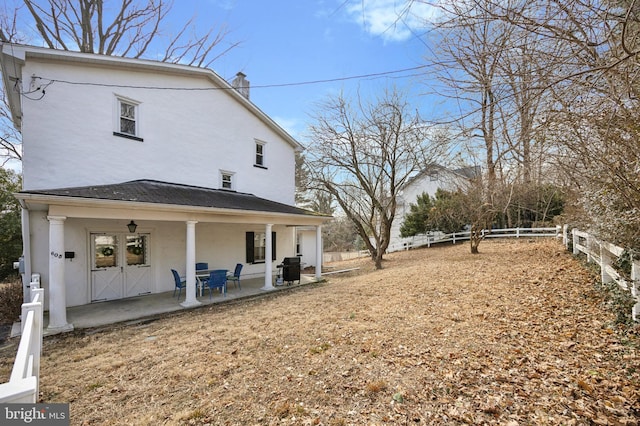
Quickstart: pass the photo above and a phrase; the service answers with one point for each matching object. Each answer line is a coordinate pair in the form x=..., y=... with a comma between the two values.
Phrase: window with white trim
x=127, y=119
x=260, y=148
x=226, y=180
x=257, y=247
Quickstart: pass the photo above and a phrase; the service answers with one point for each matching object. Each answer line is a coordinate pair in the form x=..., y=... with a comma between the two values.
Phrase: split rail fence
x=605, y=255
x=456, y=237
x=23, y=385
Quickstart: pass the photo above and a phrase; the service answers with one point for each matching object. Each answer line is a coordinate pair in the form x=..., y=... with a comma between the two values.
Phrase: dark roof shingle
x=156, y=192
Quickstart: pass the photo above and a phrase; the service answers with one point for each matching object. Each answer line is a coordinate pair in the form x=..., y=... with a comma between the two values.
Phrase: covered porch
x=83, y=243
x=143, y=308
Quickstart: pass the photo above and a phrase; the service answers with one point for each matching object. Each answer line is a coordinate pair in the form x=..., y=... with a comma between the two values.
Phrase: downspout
x=26, y=252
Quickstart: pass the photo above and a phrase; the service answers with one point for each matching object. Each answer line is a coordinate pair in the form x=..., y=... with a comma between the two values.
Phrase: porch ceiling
x=158, y=196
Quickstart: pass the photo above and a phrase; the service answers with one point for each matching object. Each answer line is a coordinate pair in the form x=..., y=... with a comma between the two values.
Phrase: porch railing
x=23, y=385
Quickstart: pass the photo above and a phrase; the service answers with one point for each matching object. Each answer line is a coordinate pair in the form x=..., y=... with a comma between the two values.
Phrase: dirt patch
x=515, y=335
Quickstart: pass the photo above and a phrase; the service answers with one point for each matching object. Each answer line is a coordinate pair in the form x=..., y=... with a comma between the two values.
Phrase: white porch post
x=318, y=251
x=268, y=254
x=190, y=299
x=57, y=295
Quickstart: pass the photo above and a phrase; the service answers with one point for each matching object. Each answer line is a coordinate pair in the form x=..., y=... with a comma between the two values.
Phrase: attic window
x=127, y=119
x=433, y=176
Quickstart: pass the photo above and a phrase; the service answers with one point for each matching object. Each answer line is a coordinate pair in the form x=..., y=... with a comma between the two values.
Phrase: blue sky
x=285, y=41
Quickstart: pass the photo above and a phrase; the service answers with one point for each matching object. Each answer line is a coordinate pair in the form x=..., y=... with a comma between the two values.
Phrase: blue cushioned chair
x=202, y=266
x=217, y=279
x=180, y=283
x=236, y=276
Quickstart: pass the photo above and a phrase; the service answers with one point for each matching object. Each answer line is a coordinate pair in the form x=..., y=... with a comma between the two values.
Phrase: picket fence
x=605, y=254
x=23, y=385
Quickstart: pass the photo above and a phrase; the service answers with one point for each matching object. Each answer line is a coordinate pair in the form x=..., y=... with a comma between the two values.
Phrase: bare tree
x=362, y=154
x=128, y=28
x=596, y=101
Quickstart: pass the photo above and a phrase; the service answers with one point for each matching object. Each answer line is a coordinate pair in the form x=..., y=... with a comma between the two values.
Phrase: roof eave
x=28, y=200
x=18, y=54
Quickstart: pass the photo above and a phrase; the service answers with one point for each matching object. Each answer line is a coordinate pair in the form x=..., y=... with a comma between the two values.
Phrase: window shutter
x=273, y=246
x=249, y=246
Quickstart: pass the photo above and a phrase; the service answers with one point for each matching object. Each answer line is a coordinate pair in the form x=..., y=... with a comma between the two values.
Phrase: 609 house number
x=56, y=255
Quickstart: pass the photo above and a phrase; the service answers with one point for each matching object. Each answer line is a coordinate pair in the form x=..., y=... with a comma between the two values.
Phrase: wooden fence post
x=635, y=288
x=589, y=244
x=39, y=330
x=605, y=261
x=576, y=240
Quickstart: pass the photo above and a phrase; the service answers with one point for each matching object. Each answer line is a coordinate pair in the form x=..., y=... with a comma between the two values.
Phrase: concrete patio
x=141, y=307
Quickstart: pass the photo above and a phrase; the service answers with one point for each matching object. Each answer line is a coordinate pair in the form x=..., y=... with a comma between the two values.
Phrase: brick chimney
x=241, y=84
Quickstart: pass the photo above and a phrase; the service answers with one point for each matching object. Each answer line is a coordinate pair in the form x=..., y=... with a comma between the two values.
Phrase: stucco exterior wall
x=308, y=247
x=189, y=136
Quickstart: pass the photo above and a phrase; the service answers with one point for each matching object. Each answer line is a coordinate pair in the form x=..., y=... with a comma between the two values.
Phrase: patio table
x=204, y=273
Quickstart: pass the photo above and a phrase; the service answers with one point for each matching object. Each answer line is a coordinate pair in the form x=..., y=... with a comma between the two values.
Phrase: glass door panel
x=105, y=251
x=136, y=250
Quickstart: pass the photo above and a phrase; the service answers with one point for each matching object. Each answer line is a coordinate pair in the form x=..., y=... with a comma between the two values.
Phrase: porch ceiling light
x=132, y=226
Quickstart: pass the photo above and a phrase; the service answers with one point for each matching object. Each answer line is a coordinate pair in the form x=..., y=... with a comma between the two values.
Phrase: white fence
x=428, y=240
x=25, y=376
x=337, y=256
x=605, y=254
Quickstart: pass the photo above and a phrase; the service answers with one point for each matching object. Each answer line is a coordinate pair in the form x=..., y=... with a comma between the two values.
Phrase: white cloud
x=393, y=20
x=290, y=125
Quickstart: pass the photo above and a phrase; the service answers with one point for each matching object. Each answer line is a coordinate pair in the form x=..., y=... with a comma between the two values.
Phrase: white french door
x=120, y=266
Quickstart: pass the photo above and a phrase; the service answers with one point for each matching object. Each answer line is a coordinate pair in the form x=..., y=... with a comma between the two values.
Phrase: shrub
x=11, y=298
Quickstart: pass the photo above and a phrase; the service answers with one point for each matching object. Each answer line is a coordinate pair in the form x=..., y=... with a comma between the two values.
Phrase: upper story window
x=226, y=180
x=127, y=119
x=260, y=154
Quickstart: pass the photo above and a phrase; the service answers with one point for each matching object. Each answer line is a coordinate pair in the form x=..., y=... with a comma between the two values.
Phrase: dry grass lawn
x=516, y=335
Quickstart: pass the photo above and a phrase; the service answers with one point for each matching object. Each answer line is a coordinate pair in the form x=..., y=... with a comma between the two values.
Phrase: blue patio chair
x=180, y=283
x=236, y=276
x=202, y=266
x=217, y=279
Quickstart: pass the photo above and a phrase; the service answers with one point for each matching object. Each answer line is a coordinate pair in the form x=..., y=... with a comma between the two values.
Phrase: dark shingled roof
x=150, y=191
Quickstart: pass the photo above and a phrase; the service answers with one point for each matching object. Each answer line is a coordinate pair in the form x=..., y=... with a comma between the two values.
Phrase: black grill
x=291, y=269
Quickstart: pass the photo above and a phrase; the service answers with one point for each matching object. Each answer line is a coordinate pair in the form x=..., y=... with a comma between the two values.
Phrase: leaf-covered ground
x=516, y=335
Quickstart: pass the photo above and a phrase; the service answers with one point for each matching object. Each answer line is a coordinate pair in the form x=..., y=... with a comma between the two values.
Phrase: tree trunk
x=475, y=242
x=378, y=260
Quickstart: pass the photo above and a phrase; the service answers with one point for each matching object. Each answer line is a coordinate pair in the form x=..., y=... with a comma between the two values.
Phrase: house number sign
x=56, y=255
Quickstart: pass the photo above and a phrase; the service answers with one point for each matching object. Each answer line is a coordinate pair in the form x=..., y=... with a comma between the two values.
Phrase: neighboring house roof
x=156, y=192
x=465, y=172
x=13, y=57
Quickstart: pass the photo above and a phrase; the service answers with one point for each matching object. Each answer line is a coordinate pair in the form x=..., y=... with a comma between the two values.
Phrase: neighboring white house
x=432, y=178
x=202, y=173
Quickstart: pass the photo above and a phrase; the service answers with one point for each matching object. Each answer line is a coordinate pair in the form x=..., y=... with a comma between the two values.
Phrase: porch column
x=318, y=251
x=268, y=254
x=57, y=286
x=190, y=299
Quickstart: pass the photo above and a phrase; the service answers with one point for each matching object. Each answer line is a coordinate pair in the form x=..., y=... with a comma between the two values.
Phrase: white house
x=429, y=180
x=197, y=170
